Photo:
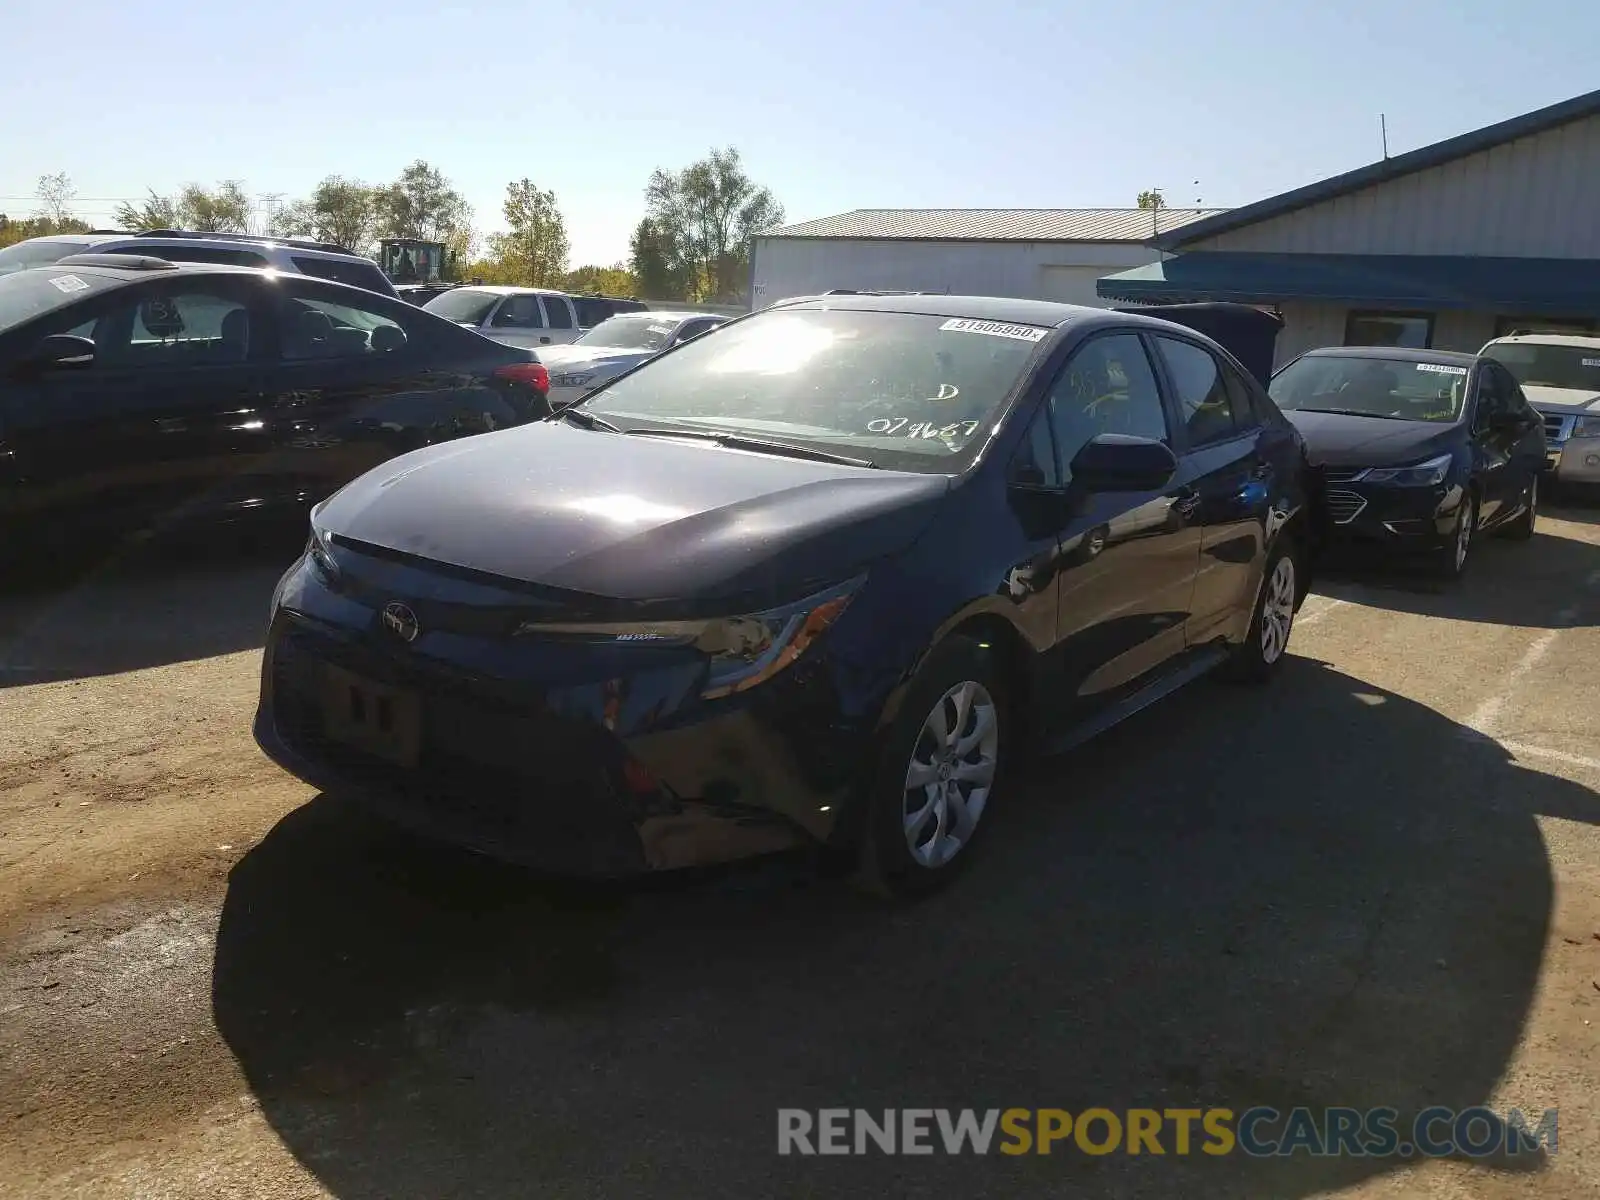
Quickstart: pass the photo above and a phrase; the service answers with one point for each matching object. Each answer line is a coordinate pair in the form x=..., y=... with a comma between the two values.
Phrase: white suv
x=324, y=260
x=1560, y=375
x=518, y=316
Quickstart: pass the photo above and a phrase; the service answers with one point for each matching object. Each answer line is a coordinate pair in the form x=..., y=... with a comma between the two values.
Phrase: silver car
x=1560, y=375
x=617, y=344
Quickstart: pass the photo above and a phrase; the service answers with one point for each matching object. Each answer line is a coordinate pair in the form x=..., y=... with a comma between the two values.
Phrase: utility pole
x=1383, y=129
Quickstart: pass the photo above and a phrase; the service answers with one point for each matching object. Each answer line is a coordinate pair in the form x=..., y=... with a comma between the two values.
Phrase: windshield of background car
x=25, y=295
x=901, y=389
x=36, y=254
x=638, y=332
x=463, y=305
x=1550, y=366
x=1375, y=387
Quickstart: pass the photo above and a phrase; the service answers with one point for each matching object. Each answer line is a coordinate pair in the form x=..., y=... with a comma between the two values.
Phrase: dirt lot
x=1377, y=882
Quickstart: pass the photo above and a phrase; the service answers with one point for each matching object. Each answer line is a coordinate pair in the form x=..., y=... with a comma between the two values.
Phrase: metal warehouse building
x=1045, y=254
x=1446, y=246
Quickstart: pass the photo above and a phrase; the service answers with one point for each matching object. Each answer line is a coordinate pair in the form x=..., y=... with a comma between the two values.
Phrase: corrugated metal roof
x=996, y=224
x=1439, y=153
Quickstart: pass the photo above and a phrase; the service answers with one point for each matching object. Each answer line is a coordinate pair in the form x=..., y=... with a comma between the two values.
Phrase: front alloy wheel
x=951, y=770
x=1453, y=561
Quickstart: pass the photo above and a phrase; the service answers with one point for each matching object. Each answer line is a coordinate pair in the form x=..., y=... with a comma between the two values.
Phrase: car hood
x=635, y=518
x=1554, y=399
x=591, y=356
x=1336, y=440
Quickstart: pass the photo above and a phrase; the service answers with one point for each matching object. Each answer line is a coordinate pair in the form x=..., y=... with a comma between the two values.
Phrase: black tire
x=1260, y=656
x=1450, y=562
x=887, y=866
x=1521, y=529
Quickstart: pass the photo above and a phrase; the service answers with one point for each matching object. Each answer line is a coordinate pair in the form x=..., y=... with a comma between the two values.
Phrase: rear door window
x=559, y=314
x=356, y=274
x=591, y=311
x=1203, y=399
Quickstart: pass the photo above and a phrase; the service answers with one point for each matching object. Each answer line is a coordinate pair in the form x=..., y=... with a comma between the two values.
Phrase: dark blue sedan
x=818, y=581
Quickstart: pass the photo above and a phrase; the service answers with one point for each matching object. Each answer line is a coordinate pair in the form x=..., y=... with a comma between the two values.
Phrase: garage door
x=1072, y=285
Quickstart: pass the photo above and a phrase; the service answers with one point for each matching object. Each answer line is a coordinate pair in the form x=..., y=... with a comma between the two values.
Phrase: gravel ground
x=1376, y=882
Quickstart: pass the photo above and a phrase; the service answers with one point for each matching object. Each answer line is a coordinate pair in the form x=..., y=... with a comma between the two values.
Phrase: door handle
x=1187, y=502
x=1262, y=471
x=171, y=424
x=544, y=341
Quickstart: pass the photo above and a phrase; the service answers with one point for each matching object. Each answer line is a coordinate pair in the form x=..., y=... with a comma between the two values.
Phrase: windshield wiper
x=1350, y=412
x=585, y=420
x=734, y=441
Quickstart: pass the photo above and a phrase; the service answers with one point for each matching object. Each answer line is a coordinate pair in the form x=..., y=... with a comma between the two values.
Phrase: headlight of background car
x=579, y=379
x=1586, y=427
x=1424, y=474
x=741, y=651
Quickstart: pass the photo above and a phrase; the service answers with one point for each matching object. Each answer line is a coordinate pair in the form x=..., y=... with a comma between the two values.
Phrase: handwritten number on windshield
x=923, y=429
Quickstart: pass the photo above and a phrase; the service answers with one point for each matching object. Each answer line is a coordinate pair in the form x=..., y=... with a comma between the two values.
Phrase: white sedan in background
x=617, y=344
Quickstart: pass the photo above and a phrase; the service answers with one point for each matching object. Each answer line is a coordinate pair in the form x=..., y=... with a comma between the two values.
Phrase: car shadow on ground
x=143, y=607
x=1495, y=589
x=1217, y=903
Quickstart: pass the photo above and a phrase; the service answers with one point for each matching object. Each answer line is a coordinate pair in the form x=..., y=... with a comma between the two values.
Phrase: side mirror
x=59, y=350
x=1119, y=462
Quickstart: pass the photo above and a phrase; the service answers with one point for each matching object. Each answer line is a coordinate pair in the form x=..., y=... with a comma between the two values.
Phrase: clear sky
x=835, y=105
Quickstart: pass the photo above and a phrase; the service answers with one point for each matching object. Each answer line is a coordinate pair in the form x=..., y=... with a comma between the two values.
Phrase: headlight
x=1423, y=474
x=581, y=379
x=740, y=651
x=1586, y=427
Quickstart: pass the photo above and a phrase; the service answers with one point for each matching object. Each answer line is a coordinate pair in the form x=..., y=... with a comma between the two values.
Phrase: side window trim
x=562, y=305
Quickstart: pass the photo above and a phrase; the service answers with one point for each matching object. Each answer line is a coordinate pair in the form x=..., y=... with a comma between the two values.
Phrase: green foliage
x=615, y=280
x=13, y=231
x=533, y=251
x=421, y=204
x=342, y=211
x=1152, y=199
x=223, y=209
x=699, y=222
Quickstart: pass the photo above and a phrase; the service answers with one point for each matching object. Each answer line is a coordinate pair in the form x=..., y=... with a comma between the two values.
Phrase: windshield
x=462, y=305
x=25, y=295
x=899, y=389
x=639, y=331
x=1534, y=365
x=36, y=254
x=1374, y=387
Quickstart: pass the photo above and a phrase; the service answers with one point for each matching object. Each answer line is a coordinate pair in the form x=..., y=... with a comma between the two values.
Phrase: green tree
x=657, y=262
x=339, y=210
x=56, y=194
x=421, y=204
x=1152, y=199
x=534, y=248
x=223, y=209
x=615, y=280
x=703, y=218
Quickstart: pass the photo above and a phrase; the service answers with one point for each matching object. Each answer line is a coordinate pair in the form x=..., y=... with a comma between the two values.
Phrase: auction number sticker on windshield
x=1441, y=369
x=1022, y=333
x=69, y=283
x=1591, y=362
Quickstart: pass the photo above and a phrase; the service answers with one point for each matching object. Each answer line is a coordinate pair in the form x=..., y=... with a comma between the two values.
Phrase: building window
x=1414, y=331
x=1506, y=326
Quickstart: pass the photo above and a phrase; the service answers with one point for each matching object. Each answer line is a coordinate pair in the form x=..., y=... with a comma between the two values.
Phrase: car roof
x=1443, y=358
x=671, y=314
x=1587, y=341
x=103, y=267
x=502, y=289
x=95, y=240
x=978, y=308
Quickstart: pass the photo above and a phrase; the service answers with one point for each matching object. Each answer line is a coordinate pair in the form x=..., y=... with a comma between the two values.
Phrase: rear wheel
x=1257, y=658
x=941, y=763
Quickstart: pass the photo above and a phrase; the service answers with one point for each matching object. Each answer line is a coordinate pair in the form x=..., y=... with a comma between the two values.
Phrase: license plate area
x=384, y=721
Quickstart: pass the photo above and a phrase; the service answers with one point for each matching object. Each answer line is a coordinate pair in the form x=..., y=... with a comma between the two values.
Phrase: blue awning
x=1549, y=286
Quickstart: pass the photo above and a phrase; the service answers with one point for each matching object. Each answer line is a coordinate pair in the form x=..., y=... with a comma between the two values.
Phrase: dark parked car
x=816, y=579
x=1419, y=450
x=137, y=393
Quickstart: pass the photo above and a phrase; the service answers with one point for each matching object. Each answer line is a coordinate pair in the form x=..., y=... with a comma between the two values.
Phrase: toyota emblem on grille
x=399, y=620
